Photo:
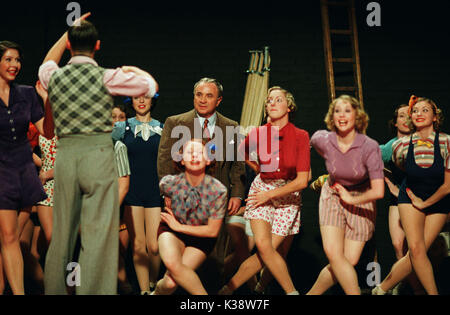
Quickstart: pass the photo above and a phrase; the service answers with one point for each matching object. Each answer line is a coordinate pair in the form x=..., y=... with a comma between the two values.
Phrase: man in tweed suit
x=205, y=121
x=86, y=190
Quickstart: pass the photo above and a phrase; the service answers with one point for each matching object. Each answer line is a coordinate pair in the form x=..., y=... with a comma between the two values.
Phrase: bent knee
x=153, y=248
x=173, y=266
x=417, y=250
x=169, y=283
x=9, y=238
x=264, y=246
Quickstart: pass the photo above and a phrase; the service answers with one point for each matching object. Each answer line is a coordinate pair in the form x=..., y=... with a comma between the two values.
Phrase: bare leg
x=46, y=219
x=266, y=276
x=180, y=263
x=343, y=255
x=135, y=218
x=267, y=255
x=152, y=220
x=123, y=247
x=421, y=231
x=10, y=248
x=242, y=247
x=398, y=238
x=31, y=263
x=397, y=234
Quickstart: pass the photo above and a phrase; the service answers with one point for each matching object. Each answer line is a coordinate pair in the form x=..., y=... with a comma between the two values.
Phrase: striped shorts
x=283, y=213
x=358, y=221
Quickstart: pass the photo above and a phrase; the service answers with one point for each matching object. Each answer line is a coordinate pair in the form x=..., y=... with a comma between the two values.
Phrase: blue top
x=119, y=127
x=386, y=150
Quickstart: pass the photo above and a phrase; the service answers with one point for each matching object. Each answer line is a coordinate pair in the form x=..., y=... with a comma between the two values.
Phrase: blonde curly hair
x=361, y=117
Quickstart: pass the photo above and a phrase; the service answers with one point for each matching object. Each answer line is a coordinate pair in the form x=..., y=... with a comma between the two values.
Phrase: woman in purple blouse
x=20, y=187
x=347, y=201
x=188, y=231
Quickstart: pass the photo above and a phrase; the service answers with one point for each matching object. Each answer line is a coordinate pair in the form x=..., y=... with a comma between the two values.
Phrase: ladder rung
x=344, y=60
x=345, y=88
x=341, y=32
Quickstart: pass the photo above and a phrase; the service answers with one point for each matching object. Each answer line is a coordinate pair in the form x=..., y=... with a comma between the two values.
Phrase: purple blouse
x=361, y=163
x=15, y=118
x=195, y=205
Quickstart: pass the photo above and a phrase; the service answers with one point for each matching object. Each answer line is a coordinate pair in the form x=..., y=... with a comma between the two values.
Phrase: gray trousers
x=85, y=200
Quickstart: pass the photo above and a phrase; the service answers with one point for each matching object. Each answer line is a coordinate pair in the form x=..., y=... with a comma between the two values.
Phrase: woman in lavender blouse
x=347, y=201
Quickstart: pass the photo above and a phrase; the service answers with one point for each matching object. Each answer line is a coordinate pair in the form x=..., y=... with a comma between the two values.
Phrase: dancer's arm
x=210, y=230
x=375, y=192
x=392, y=187
x=56, y=52
x=259, y=198
x=442, y=191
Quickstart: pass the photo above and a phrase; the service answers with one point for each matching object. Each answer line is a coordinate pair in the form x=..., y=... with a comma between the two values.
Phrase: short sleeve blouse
x=362, y=161
x=281, y=153
x=195, y=205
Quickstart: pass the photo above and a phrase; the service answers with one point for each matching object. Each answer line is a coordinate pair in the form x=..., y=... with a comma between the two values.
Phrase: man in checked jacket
x=86, y=191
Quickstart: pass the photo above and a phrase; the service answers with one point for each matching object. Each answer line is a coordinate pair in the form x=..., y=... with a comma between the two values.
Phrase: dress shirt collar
x=79, y=59
x=211, y=120
x=429, y=139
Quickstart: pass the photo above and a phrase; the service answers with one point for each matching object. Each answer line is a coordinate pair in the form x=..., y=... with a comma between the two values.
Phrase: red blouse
x=281, y=153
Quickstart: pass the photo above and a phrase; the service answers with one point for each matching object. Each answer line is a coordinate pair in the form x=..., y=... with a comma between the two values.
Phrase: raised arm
x=56, y=52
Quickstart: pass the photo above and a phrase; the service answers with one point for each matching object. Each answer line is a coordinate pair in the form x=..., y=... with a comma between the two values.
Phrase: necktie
x=206, y=133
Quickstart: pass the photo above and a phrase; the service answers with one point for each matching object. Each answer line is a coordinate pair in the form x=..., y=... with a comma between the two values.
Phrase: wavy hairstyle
x=436, y=111
x=361, y=117
x=289, y=98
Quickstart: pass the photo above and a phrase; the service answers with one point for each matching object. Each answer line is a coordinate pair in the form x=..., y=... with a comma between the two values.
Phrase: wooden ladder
x=350, y=48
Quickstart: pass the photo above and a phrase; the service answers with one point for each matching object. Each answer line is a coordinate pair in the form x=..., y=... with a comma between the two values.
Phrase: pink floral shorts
x=282, y=213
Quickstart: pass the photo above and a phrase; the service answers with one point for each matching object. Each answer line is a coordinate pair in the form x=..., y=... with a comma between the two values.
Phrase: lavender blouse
x=361, y=163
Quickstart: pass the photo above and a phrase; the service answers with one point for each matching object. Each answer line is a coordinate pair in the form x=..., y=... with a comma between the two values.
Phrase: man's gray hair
x=210, y=80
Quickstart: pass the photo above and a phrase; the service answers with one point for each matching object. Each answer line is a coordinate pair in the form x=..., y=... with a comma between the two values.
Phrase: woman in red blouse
x=273, y=204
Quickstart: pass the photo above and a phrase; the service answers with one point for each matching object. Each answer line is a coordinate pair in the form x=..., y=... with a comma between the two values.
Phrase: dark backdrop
x=180, y=42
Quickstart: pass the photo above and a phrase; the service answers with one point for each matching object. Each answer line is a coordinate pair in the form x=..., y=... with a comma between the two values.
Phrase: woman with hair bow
x=141, y=135
x=423, y=200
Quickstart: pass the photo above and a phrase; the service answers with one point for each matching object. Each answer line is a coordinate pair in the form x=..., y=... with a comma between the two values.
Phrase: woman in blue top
x=141, y=135
x=20, y=187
